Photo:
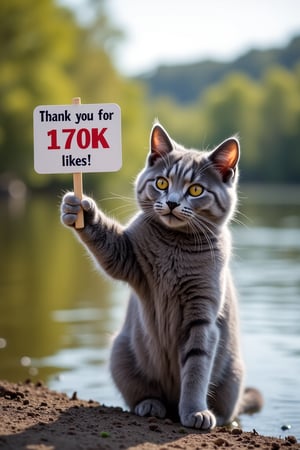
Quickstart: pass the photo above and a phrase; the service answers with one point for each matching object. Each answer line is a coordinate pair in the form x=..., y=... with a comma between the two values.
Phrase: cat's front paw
x=202, y=420
x=71, y=206
x=150, y=407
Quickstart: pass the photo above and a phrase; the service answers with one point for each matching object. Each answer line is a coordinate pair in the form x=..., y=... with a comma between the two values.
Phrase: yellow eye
x=162, y=183
x=195, y=190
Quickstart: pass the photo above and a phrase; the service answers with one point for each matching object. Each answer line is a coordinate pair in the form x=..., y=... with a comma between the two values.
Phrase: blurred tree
x=280, y=160
x=185, y=124
x=232, y=108
x=186, y=82
x=264, y=114
x=36, y=41
x=255, y=96
x=99, y=82
x=48, y=58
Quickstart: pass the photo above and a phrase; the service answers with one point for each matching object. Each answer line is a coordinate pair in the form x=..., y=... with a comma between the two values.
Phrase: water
x=57, y=315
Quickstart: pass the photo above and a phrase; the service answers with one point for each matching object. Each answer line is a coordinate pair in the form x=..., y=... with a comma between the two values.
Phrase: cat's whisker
x=197, y=236
x=239, y=222
x=239, y=213
x=117, y=197
x=203, y=221
x=207, y=232
x=149, y=212
x=195, y=229
x=127, y=208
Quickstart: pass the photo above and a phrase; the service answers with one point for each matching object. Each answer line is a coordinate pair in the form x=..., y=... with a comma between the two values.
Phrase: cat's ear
x=160, y=143
x=225, y=158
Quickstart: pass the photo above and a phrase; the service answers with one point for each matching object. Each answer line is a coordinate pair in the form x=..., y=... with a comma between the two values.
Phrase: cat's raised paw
x=70, y=208
x=202, y=420
x=150, y=407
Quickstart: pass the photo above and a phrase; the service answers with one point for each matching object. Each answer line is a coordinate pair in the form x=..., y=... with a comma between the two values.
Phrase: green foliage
x=48, y=58
x=280, y=135
x=34, y=41
x=184, y=124
x=265, y=114
x=232, y=108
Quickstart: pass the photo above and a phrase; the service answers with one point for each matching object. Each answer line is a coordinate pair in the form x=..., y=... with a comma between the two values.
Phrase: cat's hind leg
x=142, y=395
x=226, y=396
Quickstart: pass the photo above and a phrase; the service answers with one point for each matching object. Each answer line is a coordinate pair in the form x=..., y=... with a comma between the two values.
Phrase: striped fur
x=178, y=351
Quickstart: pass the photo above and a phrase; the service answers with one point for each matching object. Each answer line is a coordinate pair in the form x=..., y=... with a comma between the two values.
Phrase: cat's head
x=188, y=189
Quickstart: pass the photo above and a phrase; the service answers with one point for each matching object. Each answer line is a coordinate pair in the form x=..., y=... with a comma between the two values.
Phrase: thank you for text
x=77, y=138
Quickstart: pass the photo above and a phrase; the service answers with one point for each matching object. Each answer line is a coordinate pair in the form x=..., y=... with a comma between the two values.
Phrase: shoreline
x=34, y=417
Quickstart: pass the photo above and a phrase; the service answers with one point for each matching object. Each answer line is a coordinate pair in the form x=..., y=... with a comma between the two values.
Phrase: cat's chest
x=169, y=263
x=168, y=259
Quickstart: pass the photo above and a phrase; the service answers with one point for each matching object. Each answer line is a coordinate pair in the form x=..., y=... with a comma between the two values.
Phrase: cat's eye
x=195, y=190
x=162, y=183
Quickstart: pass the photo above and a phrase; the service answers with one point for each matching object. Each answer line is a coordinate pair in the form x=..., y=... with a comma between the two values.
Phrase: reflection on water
x=58, y=312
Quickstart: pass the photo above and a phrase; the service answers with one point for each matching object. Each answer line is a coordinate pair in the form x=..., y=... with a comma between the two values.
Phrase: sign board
x=77, y=138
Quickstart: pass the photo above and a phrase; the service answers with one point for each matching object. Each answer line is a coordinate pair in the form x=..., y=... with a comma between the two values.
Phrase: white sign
x=77, y=138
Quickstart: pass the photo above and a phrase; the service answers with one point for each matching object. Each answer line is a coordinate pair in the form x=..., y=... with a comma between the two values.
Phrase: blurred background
x=206, y=70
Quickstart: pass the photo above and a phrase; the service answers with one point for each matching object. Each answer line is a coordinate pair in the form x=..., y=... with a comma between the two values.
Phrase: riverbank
x=36, y=418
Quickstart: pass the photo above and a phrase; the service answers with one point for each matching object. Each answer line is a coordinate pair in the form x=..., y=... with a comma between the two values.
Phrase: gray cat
x=178, y=352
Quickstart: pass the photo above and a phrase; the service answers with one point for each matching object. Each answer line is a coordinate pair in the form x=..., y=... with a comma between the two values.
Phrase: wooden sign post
x=77, y=182
x=77, y=138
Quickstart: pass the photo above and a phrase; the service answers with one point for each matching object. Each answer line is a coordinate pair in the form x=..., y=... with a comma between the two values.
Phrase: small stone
x=168, y=422
x=154, y=427
x=74, y=396
x=291, y=439
x=275, y=446
x=236, y=431
x=220, y=442
x=152, y=419
x=286, y=427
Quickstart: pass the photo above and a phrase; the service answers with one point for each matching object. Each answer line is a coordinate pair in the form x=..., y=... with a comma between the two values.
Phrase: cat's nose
x=172, y=205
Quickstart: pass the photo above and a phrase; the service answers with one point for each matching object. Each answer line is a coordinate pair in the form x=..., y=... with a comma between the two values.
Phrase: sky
x=182, y=31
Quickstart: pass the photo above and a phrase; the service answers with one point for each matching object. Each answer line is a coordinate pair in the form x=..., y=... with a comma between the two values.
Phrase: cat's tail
x=252, y=401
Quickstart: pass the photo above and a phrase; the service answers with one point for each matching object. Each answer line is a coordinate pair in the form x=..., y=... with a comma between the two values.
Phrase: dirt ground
x=32, y=417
